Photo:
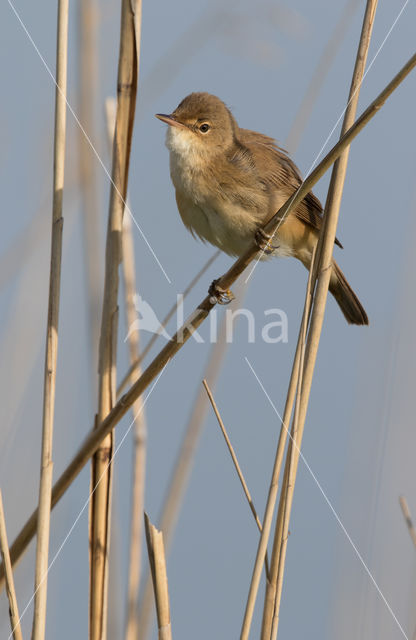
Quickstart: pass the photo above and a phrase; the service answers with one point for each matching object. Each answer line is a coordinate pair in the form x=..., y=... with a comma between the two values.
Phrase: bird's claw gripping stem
x=263, y=241
x=219, y=295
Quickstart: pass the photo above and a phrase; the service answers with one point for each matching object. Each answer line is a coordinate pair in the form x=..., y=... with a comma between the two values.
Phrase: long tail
x=348, y=302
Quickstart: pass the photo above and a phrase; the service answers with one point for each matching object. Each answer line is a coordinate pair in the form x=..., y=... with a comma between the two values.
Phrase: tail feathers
x=348, y=302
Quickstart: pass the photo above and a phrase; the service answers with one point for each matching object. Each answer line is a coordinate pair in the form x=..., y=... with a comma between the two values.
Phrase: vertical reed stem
x=324, y=261
x=88, y=90
x=51, y=354
x=282, y=523
x=101, y=470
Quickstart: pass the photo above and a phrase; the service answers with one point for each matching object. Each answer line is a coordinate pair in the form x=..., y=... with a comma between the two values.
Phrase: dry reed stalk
x=408, y=518
x=88, y=90
x=139, y=442
x=51, y=351
x=236, y=465
x=96, y=436
x=131, y=373
x=277, y=465
x=157, y=563
x=274, y=483
x=101, y=470
x=273, y=585
x=323, y=269
x=10, y=590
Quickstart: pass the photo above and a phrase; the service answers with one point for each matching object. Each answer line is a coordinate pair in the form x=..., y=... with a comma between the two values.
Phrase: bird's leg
x=220, y=295
x=263, y=241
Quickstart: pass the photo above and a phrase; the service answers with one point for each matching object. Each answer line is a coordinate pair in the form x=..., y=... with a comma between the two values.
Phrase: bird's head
x=201, y=125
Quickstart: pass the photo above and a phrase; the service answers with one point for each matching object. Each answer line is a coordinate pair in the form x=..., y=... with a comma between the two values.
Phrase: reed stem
x=51, y=351
x=10, y=590
x=101, y=470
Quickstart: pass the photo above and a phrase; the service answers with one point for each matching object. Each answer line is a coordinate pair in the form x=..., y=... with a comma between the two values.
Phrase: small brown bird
x=230, y=181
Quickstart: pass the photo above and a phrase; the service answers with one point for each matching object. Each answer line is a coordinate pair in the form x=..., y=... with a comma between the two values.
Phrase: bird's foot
x=263, y=241
x=220, y=295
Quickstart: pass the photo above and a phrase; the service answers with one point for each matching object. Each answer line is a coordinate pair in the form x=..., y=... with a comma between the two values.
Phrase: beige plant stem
x=95, y=437
x=324, y=258
x=271, y=497
x=294, y=382
x=10, y=590
x=101, y=471
x=131, y=373
x=88, y=19
x=267, y=623
x=233, y=456
x=282, y=532
x=157, y=563
x=139, y=443
x=408, y=518
x=51, y=352
x=236, y=464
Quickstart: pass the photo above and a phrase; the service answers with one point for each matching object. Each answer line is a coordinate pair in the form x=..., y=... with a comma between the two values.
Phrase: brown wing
x=277, y=170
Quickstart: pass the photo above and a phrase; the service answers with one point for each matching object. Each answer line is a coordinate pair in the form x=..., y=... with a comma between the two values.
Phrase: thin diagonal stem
x=10, y=590
x=236, y=464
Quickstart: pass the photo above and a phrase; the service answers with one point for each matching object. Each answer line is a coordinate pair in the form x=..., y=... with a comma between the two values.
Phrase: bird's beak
x=170, y=120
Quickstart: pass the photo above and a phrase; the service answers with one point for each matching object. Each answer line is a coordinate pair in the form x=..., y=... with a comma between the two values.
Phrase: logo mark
x=147, y=320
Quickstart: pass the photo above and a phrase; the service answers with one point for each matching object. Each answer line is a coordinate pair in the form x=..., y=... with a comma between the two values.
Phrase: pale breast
x=204, y=211
x=228, y=230
x=209, y=208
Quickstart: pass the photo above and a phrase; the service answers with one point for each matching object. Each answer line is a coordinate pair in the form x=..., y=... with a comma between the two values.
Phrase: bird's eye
x=204, y=127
